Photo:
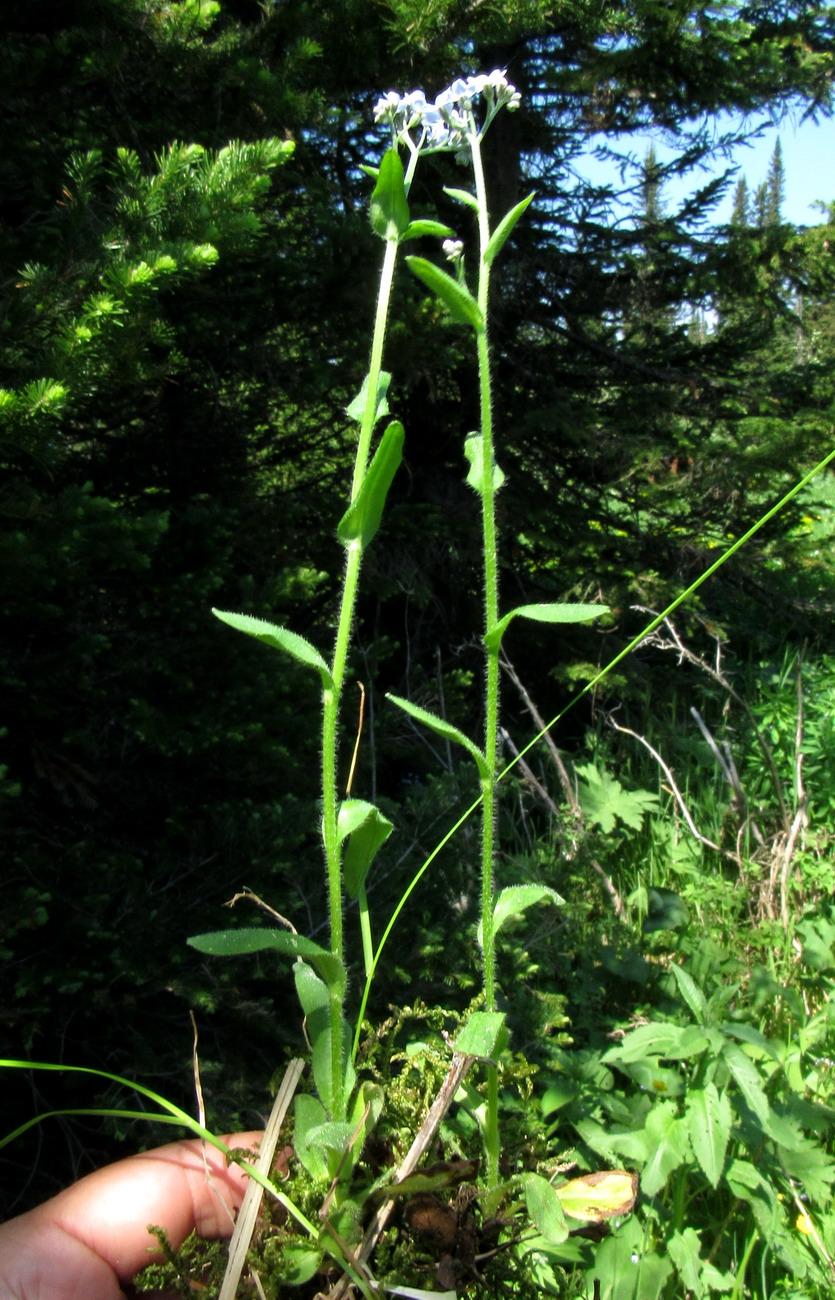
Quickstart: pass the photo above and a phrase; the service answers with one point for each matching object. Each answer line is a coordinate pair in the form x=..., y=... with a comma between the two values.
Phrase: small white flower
x=453, y=249
x=387, y=106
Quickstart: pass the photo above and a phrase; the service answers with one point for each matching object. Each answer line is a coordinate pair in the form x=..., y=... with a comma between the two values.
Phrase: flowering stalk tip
x=449, y=122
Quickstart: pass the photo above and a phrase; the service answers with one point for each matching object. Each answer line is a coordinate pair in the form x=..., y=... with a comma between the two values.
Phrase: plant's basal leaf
x=233, y=943
x=709, y=1118
x=389, y=210
x=443, y=729
x=362, y=518
x=607, y=1194
x=461, y=305
x=545, y=1208
x=545, y=613
x=515, y=900
x=310, y=1115
x=330, y=1136
x=504, y=229
x=474, y=451
x=436, y=228
x=314, y=997
x=281, y=639
x=483, y=1036
x=300, y=1263
x=462, y=196
x=357, y=408
x=366, y=830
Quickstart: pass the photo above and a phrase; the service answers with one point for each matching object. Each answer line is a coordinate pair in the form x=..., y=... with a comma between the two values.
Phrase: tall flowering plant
x=330, y=1128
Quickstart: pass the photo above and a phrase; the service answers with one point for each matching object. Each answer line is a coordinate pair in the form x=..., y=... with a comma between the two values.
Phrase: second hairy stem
x=332, y=695
x=491, y=617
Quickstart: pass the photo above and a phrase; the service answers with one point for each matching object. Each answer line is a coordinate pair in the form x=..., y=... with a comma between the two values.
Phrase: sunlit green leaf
x=356, y=410
x=516, y=899
x=544, y=613
x=362, y=518
x=709, y=1119
x=444, y=729
x=366, y=830
x=605, y=1194
x=234, y=943
x=474, y=451
x=389, y=210
x=544, y=1208
x=460, y=303
x=280, y=638
x=504, y=229
x=483, y=1035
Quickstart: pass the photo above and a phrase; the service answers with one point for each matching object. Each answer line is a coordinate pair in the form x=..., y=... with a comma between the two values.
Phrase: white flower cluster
x=449, y=122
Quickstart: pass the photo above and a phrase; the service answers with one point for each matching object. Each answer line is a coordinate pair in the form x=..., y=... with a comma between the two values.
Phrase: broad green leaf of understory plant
x=690, y=992
x=280, y=639
x=626, y=1268
x=356, y=410
x=545, y=613
x=437, y=229
x=747, y=1077
x=544, y=1208
x=484, y=1036
x=604, y=800
x=366, y=830
x=504, y=229
x=474, y=451
x=460, y=303
x=389, y=209
x=709, y=1119
x=515, y=900
x=668, y=1140
x=666, y=910
x=443, y=729
x=659, y=1039
x=234, y=943
x=362, y=518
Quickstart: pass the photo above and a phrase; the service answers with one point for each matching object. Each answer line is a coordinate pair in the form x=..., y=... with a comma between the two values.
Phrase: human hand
x=85, y=1242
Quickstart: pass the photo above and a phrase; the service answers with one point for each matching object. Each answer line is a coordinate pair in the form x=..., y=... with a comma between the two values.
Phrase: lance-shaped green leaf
x=460, y=303
x=389, y=206
x=544, y=1208
x=280, y=638
x=436, y=228
x=606, y=1194
x=362, y=518
x=314, y=997
x=445, y=730
x=463, y=196
x=546, y=613
x=515, y=900
x=366, y=830
x=483, y=1036
x=234, y=943
x=709, y=1126
x=504, y=229
x=474, y=451
x=356, y=410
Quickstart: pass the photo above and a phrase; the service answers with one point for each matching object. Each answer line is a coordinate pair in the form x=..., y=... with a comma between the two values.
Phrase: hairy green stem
x=331, y=696
x=491, y=618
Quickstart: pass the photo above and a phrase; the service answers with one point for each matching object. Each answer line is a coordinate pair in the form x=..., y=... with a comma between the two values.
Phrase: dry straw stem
x=244, y=1228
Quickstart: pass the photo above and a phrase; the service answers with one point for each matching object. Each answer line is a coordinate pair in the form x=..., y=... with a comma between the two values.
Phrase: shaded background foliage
x=181, y=327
